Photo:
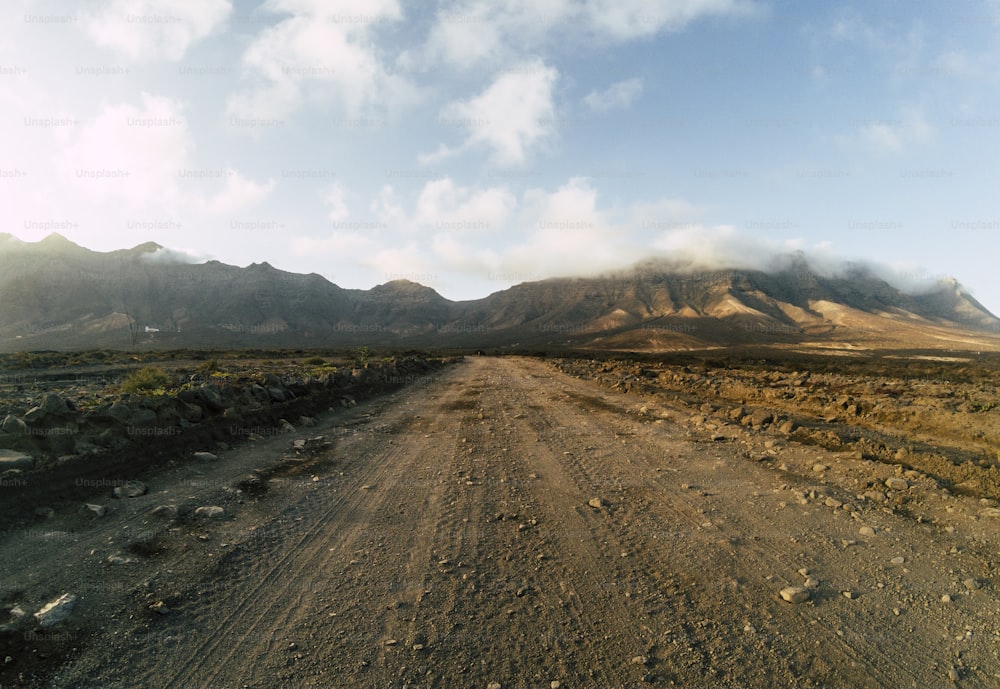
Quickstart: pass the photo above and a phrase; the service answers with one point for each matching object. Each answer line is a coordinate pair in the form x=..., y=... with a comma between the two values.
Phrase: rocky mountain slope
x=56, y=294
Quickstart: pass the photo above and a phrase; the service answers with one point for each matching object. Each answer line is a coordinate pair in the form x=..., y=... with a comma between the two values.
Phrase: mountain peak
x=146, y=248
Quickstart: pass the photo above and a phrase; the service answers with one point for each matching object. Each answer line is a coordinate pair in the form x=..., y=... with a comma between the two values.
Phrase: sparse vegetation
x=149, y=380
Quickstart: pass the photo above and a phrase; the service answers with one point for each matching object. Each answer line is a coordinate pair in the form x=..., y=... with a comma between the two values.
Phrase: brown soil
x=442, y=537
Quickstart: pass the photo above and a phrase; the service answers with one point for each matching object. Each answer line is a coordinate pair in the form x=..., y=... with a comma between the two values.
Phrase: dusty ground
x=442, y=537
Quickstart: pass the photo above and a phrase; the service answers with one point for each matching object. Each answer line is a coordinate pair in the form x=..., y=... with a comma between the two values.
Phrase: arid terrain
x=499, y=523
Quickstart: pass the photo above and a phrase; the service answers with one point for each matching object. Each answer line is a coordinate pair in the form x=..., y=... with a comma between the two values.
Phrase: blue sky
x=471, y=145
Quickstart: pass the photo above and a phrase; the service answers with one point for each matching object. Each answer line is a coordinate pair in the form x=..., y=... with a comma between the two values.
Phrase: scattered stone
x=896, y=483
x=205, y=457
x=286, y=427
x=91, y=510
x=953, y=674
x=391, y=642
x=159, y=607
x=209, y=511
x=818, y=468
x=555, y=684
x=946, y=598
x=849, y=595
x=795, y=594
x=494, y=685
x=14, y=426
x=834, y=503
x=811, y=583
x=596, y=503
x=866, y=531
x=307, y=421
x=418, y=647
x=164, y=511
x=898, y=560
x=993, y=512
x=874, y=496
x=640, y=660
x=972, y=584
x=9, y=459
x=130, y=489
x=121, y=560
x=56, y=611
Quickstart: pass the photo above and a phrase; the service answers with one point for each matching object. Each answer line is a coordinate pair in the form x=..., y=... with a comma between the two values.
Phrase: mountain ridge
x=57, y=294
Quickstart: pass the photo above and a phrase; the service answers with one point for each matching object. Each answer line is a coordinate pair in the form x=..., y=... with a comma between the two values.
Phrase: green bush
x=315, y=361
x=147, y=380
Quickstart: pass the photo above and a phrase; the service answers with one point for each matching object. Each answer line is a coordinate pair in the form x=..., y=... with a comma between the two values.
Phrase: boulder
x=276, y=394
x=10, y=459
x=130, y=489
x=93, y=511
x=13, y=425
x=56, y=611
x=209, y=512
x=120, y=412
x=52, y=407
x=143, y=418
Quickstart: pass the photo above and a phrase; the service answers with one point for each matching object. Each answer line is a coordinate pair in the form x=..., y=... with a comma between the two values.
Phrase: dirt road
x=445, y=539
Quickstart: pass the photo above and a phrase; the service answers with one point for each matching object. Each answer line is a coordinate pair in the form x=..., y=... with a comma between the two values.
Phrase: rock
x=896, y=483
x=596, y=503
x=143, y=418
x=811, y=583
x=209, y=512
x=760, y=417
x=164, y=511
x=818, y=468
x=55, y=612
x=121, y=560
x=131, y=489
x=795, y=594
x=640, y=660
x=898, y=560
x=52, y=406
x=867, y=531
x=788, y=427
x=953, y=674
x=211, y=398
x=494, y=685
x=833, y=502
x=992, y=512
x=972, y=584
x=120, y=412
x=286, y=426
x=13, y=425
x=44, y=512
x=874, y=496
x=946, y=598
x=159, y=607
x=91, y=510
x=849, y=595
x=554, y=684
x=205, y=457
x=276, y=394
x=10, y=459
x=307, y=421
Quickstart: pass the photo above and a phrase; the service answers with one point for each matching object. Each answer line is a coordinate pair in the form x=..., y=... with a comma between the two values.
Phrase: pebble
x=946, y=598
x=898, y=560
x=972, y=584
x=130, y=489
x=866, y=531
x=90, y=510
x=820, y=467
x=56, y=611
x=849, y=595
x=209, y=511
x=834, y=503
x=640, y=660
x=795, y=594
x=205, y=456
x=596, y=503
x=811, y=583
x=896, y=483
x=953, y=674
x=494, y=685
x=555, y=684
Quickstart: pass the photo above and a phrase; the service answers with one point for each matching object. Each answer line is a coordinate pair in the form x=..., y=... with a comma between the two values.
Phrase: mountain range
x=55, y=294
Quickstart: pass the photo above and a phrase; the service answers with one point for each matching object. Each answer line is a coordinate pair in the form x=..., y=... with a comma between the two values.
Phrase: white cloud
x=238, y=194
x=629, y=19
x=512, y=116
x=146, y=29
x=129, y=152
x=619, y=95
x=445, y=206
x=471, y=33
x=334, y=199
x=323, y=51
x=896, y=135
